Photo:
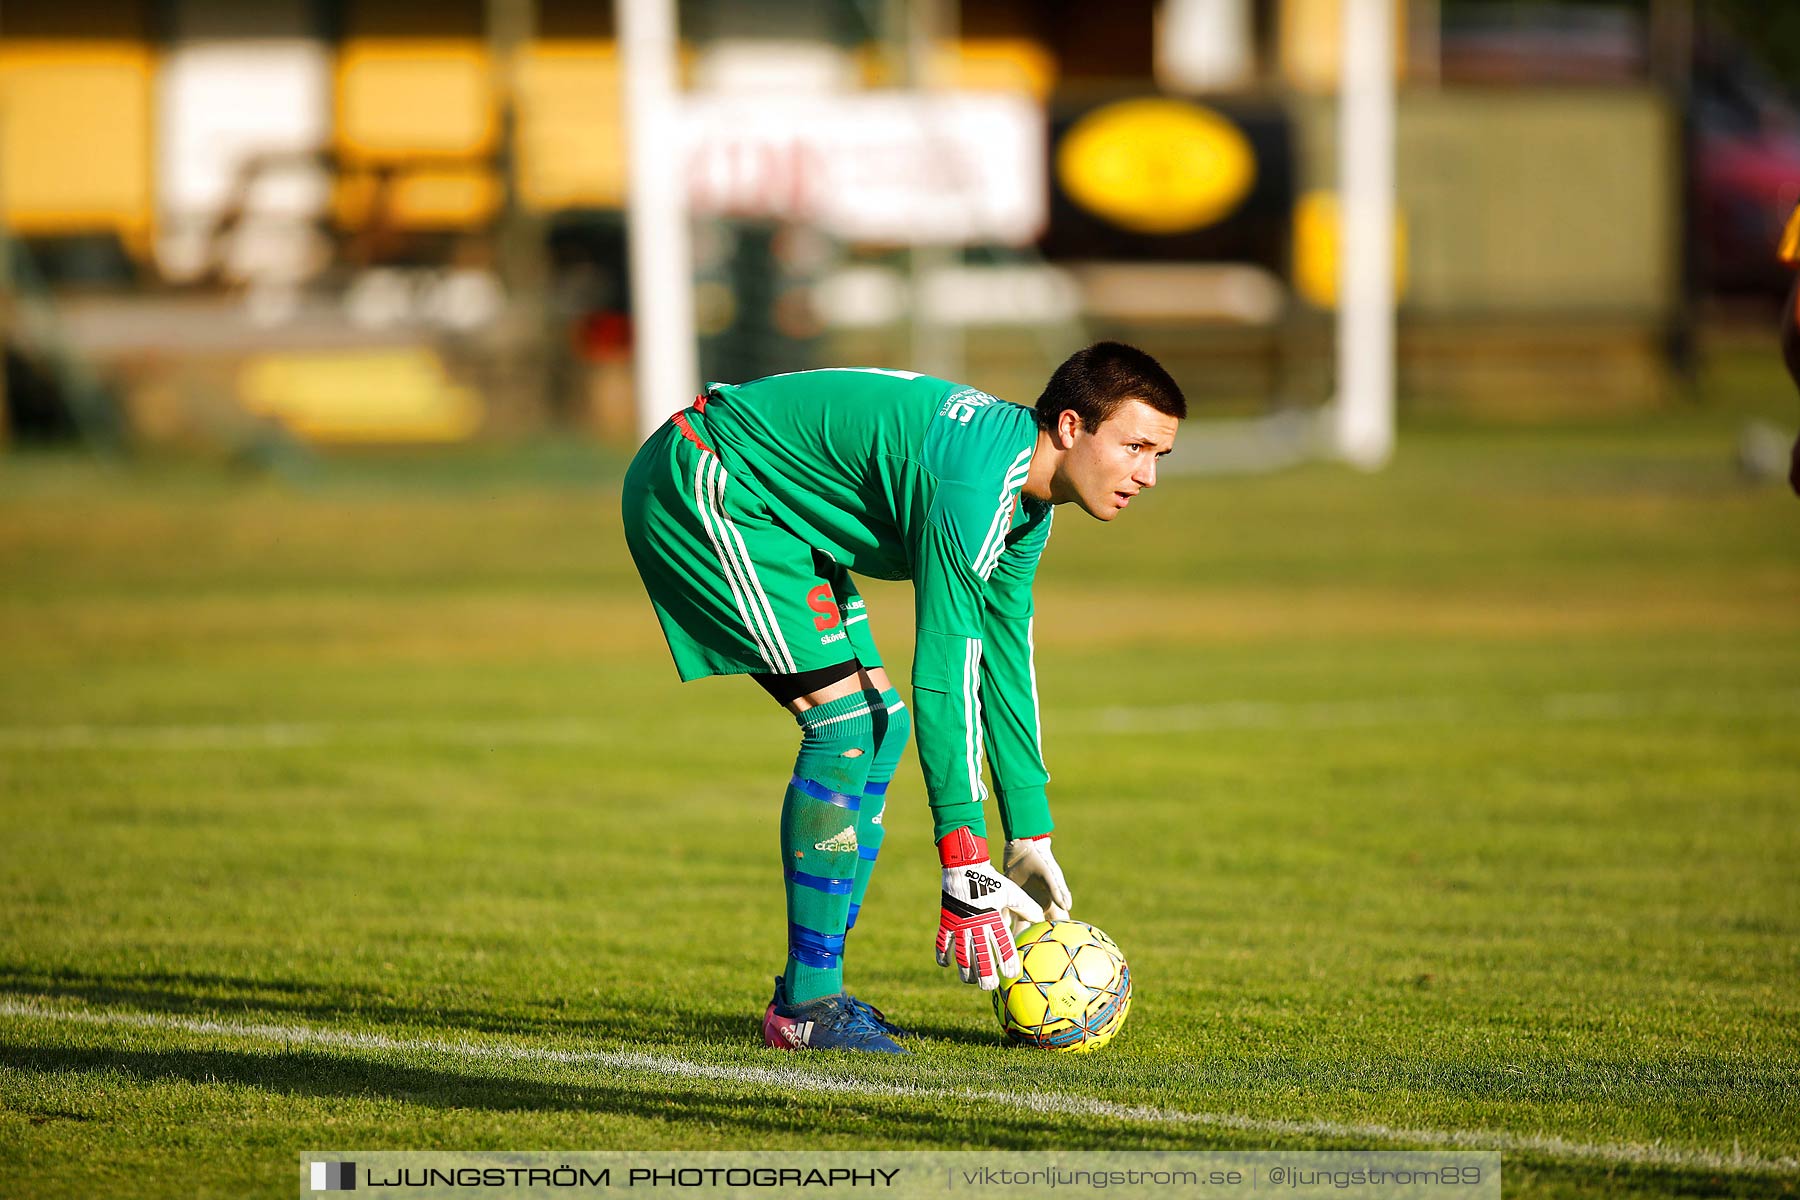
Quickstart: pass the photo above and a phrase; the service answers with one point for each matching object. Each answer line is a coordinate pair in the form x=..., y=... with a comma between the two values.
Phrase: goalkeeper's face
x=1102, y=471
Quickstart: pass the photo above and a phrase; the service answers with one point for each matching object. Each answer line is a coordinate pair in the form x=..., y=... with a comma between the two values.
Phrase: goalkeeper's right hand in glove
x=1030, y=864
x=972, y=914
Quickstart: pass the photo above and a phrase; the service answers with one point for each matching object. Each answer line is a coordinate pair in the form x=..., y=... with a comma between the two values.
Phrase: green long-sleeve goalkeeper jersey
x=897, y=475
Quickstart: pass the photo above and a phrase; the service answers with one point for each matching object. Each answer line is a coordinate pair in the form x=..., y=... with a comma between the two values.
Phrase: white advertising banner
x=892, y=167
x=223, y=106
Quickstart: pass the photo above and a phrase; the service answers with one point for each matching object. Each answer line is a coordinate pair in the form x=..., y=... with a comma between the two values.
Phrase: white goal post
x=1363, y=413
x=1359, y=423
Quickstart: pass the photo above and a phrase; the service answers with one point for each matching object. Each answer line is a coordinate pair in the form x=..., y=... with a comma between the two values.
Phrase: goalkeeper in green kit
x=747, y=515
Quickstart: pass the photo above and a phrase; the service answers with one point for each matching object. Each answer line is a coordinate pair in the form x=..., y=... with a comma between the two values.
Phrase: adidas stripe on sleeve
x=981, y=462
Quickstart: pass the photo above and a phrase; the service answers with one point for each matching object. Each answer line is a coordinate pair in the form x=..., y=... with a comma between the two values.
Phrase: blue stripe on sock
x=820, y=883
x=819, y=791
x=851, y=923
x=875, y=789
x=811, y=948
x=867, y=853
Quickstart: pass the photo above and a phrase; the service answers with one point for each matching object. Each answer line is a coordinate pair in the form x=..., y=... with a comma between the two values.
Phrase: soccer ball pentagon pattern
x=1074, y=993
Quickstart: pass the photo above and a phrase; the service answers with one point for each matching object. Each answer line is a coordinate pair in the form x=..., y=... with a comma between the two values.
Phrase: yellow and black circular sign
x=1156, y=165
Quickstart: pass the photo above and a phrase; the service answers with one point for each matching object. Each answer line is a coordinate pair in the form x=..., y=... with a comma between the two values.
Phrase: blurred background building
x=391, y=221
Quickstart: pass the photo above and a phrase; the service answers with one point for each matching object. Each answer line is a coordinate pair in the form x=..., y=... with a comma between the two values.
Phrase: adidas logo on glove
x=981, y=884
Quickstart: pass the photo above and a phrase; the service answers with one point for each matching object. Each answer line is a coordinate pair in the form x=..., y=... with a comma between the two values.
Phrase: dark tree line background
x=1768, y=31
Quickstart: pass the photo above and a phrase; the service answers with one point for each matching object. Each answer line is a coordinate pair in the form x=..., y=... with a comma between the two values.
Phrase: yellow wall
x=417, y=125
x=400, y=98
x=1310, y=43
x=75, y=137
x=571, y=131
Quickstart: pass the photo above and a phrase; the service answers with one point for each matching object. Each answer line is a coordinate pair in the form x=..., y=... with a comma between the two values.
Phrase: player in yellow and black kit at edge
x=1790, y=328
x=747, y=515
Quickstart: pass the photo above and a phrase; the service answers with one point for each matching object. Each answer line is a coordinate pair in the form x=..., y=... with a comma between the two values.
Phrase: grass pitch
x=1454, y=806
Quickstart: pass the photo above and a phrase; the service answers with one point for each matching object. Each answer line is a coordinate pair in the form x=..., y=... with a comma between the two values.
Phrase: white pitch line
x=799, y=1075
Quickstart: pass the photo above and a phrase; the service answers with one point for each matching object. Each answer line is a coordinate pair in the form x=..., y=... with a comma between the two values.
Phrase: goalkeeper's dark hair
x=1096, y=381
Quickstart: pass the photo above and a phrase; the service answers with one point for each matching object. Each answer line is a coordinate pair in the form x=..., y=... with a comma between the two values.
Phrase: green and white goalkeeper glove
x=1031, y=865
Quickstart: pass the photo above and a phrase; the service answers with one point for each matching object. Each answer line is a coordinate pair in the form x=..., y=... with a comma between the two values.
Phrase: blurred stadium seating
x=217, y=206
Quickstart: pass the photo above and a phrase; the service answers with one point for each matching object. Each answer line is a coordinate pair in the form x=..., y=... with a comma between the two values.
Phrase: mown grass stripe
x=799, y=1075
x=1367, y=712
x=1554, y=708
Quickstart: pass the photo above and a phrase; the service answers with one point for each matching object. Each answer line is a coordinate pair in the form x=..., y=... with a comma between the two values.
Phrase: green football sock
x=819, y=840
x=869, y=831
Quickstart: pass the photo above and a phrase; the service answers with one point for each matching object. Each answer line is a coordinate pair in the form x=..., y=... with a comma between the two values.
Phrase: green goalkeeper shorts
x=734, y=591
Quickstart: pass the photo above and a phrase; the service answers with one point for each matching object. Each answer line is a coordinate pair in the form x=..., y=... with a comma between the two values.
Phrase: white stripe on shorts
x=759, y=599
x=702, y=470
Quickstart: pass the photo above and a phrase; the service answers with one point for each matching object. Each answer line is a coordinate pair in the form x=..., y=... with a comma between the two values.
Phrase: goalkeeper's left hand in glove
x=972, y=915
x=1031, y=865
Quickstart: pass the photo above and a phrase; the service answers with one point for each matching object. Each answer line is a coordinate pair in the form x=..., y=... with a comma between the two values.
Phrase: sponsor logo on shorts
x=821, y=601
